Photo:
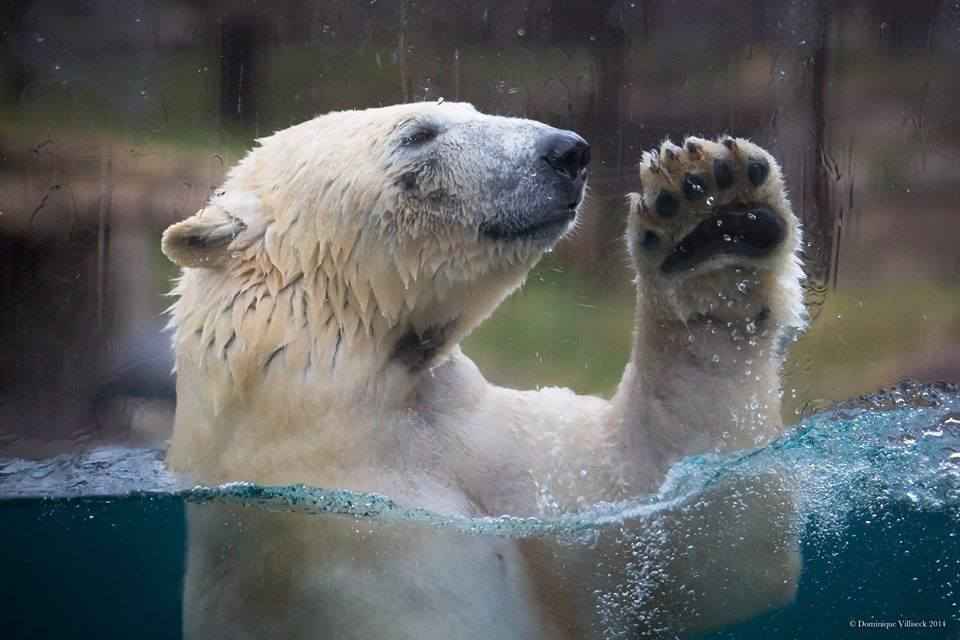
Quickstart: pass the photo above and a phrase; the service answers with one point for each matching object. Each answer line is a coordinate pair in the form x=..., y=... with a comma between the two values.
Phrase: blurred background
x=118, y=117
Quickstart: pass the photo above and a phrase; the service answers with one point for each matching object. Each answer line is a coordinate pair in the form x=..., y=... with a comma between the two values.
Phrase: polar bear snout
x=566, y=153
x=539, y=200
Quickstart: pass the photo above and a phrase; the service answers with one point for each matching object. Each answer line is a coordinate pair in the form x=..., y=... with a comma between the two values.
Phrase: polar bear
x=325, y=290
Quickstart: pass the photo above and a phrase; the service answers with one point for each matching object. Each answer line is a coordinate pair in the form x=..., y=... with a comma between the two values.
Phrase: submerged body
x=326, y=289
x=857, y=518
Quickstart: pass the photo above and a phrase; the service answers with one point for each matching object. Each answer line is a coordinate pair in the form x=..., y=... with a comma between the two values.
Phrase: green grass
x=559, y=330
x=571, y=331
x=864, y=339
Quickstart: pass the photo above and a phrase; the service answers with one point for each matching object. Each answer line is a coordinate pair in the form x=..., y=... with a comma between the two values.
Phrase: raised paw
x=709, y=205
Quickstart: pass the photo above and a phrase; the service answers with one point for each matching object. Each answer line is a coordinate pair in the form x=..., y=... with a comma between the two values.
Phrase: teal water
x=93, y=545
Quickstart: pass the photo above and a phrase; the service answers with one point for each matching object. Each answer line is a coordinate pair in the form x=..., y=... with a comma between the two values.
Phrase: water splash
x=902, y=444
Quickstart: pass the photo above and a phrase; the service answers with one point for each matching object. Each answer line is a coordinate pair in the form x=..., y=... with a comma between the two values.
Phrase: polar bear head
x=391, y=231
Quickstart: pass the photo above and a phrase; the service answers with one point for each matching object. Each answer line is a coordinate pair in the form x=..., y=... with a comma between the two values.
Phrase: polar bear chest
x=257, y=574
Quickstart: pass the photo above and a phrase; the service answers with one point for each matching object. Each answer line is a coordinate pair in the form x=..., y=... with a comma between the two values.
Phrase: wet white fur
x=286, y=321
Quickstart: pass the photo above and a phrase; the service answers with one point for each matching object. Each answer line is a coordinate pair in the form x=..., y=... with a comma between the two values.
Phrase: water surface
x=93, y=544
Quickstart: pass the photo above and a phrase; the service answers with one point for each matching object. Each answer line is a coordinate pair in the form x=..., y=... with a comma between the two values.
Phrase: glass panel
x=119, y=119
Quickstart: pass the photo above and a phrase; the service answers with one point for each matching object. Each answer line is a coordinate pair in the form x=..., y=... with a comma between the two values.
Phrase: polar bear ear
x=204, y=239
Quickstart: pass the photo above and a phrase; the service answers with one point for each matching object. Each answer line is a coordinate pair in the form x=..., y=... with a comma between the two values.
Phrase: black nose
x=566, y=152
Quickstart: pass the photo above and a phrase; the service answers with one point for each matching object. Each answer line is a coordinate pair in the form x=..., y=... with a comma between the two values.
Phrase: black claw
x=757, y=171
x=694, y=188
x=666, y=205
x=650, y=240
x=723, y=172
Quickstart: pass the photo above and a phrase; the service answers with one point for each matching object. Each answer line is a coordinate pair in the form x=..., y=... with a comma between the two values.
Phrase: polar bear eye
x=418, y=137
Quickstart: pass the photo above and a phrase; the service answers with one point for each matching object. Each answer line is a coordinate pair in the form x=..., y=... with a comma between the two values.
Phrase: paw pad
x=666, y=205
x=757, y=170
x=707, y=201
x=723, y=173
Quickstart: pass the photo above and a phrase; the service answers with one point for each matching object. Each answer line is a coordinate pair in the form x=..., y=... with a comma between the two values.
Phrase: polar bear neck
x=253, y=325
x=276, y=363
x=307, y=326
